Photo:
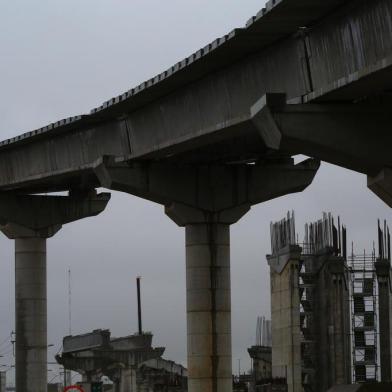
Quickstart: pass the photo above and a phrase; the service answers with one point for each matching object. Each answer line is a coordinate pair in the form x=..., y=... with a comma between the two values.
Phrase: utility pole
x=69, y=303
x=67, y=373
x=139, y=305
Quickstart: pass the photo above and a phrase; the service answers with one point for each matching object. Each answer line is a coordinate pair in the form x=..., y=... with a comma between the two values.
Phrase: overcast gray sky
x=60, y=58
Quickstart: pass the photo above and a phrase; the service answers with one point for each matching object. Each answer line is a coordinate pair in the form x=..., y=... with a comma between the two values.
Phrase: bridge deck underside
x=200, y=111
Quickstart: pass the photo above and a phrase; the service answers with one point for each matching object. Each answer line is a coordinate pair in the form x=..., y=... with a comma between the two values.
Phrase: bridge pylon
x=206, y=200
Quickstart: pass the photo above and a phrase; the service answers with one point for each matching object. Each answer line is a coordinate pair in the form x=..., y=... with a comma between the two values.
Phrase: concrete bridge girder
x=206, y=200
x=344, y=57
x=353, y=136
x=381, y=185
x=211, y=188
x=42, y=216
x=30, y=220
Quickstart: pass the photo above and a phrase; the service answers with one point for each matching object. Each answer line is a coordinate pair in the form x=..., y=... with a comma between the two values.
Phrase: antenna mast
x=139, y=306
x=69, y=303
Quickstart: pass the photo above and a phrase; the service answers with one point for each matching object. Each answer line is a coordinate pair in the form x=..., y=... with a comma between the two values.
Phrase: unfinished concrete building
x=285, y=304
x=130, y=362
x=325, y=306
x=327, y=309
x=261, y=355
x=331, y=312
x=310, y=306
x=384, y=278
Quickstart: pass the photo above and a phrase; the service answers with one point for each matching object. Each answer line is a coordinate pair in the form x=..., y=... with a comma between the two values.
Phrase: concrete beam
x=354, y=136
x=209, y=188
x=32, y=215
x=381, y=185
x=198, y=110
x=348, y=58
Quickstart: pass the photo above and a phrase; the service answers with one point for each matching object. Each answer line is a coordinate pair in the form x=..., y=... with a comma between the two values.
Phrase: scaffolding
x=364, y=318
x=308, y=350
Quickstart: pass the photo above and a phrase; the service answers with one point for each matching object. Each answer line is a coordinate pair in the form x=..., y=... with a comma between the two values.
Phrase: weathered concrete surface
x=128, y=380
x=201, y=113
x=384, y=277
x=340, y=133
x=34, y=215
x=261, y=363
x=285, y=317
x=332, y=322
x=207, y=200
x=208, y=295
x=381, y=185
x=209, y=188
x=3, y=381
x=357, y=44
x=30, y=315
x=131, y=362
x=30, y=220
x=343, y=55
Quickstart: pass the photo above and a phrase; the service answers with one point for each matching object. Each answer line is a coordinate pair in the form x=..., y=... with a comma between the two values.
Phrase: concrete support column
x=30, y=315
x=30, y=220
x=117, y=386
x=331, y=320
x=384, y=277
x=285, y=317
x=128, y=381
x=208, y=293
x=208, y=307
x=339, y=326
x=3, y=381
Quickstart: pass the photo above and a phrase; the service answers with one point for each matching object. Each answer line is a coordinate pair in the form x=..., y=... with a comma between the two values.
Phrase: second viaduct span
x=207, y=139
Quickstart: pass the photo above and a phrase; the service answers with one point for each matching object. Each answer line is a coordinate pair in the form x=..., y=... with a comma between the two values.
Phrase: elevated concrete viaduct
x=214, y=135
